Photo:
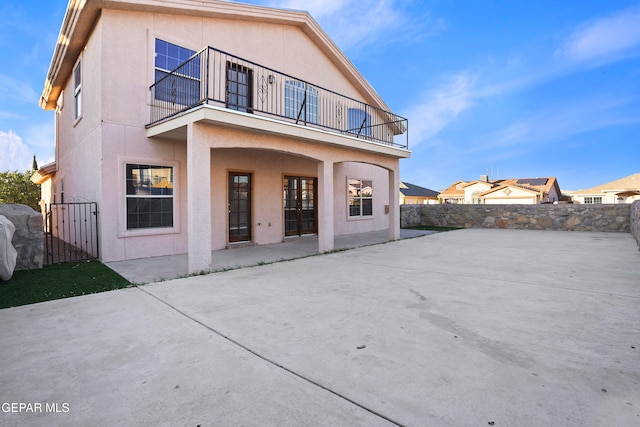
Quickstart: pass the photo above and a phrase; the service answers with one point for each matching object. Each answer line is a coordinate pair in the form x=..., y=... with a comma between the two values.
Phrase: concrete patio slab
x=471, y=327
x=148, y=270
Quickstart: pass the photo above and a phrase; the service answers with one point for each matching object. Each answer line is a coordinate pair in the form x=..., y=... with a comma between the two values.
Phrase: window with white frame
x=360, y=198
x=300, y=101
x=177, y=74
x=149, y=193
x=77, y=90
x=593, y=200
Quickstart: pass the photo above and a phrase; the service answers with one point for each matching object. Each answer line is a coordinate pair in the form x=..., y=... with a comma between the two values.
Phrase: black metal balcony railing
x=215, y=77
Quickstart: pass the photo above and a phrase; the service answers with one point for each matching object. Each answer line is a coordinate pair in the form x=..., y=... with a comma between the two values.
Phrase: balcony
x=214, y=77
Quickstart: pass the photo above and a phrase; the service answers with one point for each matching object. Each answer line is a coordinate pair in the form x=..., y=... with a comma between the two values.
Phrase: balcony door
x=239, y=207
x=239, y=87
x=300, y=205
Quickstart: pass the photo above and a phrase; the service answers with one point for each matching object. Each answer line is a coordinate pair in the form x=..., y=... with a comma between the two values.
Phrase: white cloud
x=9, y=115
x=354, y=24
x=317, y=8
x=596, y=43
x=559, y=122
x=14, y=153
x=362, y=23
x=604, y=40
x=19, y=91
x=601, y=41
x=40, y=136
x=441, y=106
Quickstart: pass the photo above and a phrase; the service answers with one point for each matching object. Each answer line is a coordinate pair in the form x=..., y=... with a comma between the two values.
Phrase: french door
x=239, y=207
x=300, y=200
x=239, y=87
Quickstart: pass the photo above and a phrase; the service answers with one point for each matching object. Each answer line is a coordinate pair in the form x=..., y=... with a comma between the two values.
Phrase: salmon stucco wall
x=128, y=55
x=267, y=169
x=78, y=140
x=380, y=218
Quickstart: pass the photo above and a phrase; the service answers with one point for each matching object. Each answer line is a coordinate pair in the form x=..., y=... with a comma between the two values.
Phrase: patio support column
x=198, y=200
x=394, y=201
x=325, y=207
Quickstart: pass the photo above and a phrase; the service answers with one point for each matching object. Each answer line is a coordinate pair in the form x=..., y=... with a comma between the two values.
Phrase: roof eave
x=44, y=173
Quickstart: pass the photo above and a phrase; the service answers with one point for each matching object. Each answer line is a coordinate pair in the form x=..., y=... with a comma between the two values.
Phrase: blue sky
x=508, y=88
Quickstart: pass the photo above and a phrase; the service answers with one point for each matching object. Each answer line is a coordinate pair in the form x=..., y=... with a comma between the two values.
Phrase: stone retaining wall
x=29, y=236
x=635, y=220
x=564, y=217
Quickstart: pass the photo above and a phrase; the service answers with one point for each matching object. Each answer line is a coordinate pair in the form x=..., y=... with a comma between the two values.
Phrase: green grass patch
x=432, y=228
x=59, y=281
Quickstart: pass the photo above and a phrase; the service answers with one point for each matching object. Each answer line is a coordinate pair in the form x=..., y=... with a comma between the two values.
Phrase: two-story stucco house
x=198, y=125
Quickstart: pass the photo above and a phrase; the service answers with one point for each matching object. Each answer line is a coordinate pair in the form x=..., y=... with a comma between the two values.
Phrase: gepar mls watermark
x=35, y=407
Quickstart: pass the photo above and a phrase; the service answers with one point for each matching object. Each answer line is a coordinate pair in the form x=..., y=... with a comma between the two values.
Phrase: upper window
x=593, y=200
x=239, y=87
x=149, y=196
x=177, y=74
x=301, y=101
x=77, y=90
x=360, y=198
x=359, y=122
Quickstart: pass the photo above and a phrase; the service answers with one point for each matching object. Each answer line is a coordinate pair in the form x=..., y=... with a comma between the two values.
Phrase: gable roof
x=484, y=183
x=81, y=16
x=544, y=184
x=453, y=190
x=507, y=185
x=412, y=190
x=628, y=183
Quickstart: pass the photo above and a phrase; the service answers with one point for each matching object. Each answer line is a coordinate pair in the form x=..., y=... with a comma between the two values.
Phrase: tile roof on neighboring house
x=456, y=189
x=43, y=173
x=408, y=189
x=627, y=185
x=537, y=185
x=544, y=185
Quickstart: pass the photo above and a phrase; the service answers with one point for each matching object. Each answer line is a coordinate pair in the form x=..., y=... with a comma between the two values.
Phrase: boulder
x=28, y=238
x=8, y=254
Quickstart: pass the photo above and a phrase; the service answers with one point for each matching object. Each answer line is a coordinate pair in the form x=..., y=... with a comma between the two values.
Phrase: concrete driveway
x=471, y=327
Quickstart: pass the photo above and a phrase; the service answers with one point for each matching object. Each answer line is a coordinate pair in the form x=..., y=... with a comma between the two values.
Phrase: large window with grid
x=359, y=122
x=360, y=198
x=177, y=81
x=149, y=193
x=593, y=200
x=300, y=101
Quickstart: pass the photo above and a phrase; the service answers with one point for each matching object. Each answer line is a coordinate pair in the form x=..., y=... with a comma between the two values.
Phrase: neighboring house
x=411, y=194
x=502, y=191
x=623, y=190
x=199, y=125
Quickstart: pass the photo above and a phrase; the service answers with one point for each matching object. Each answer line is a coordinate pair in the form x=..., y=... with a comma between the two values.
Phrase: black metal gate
x=70, y=232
